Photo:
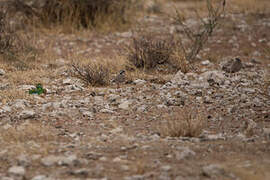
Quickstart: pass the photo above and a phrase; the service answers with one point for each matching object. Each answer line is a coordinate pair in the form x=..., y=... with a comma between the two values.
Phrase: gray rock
x=213, y=77
x=213, y=137
x=139, y=82
x=50, y=160
x=99, y=100
x=60, y=160
x=256, y=53
x=205, y=63
x=106, y=111
x=27, y=114
x=142, y=108
x=80, y=172
x=213, y=170
x=185, y=153
x=266, y=131
x=68, y=81
x=127, y=34
x=179, y=78
x=125, y=105
x=26, y=87
x=2, y=72
x=87, y=113
x=4, y=86
x=69, y=161
x=135, y=177
x=175, y=101
x=60, y=62
x=7, y=126
x=16, y=170
x=6, y=108
x=20, y=104
x=23, y=160
x=198, y=85
x=6, y=178
x=113, y=98
x=166, y=168
x=42, y=177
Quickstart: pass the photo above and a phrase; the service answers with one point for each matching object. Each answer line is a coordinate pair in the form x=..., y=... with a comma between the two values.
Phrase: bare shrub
x=9, y=41
x=147, y=52
x=94, y=74
x=198, y=38
x=15, y=48
x=87, y=13
x=187, y=122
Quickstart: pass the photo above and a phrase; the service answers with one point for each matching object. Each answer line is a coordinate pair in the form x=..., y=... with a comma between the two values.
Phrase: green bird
x=38, y=90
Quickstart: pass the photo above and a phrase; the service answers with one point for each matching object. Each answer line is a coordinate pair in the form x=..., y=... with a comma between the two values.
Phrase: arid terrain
x=208, y=118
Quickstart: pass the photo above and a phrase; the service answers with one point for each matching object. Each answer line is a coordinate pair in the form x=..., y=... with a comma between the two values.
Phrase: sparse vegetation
x=199, y=37
x=87, y=13
x=76, y=14
x=187, y=122
x=27, y=137
x=147, y=52
x=94, y=74
x=14, y=49
x=142, y=127
x=9, y=41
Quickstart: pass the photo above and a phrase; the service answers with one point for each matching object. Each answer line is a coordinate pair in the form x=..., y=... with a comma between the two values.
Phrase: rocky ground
x=123, y=131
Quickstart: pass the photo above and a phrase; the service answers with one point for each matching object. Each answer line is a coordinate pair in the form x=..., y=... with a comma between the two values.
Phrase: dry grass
x=10, y=43
x=15, y=49
x=27, y=138
x=187, y=122
x=94, y=74
x=73, y=14
x=147, y=52
x=11, y=94
x=249, y=6
x=100, y=71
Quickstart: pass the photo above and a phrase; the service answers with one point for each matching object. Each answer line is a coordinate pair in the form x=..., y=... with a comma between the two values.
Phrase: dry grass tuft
x=15, y=48
x=74, y=14
x=187, y=122
x=93, y=73
x=11, y=94
x=249, y=6
x=148, y=52
x=9, y=40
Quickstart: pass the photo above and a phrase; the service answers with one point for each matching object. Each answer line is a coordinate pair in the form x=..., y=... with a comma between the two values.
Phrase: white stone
x=206, y=62
x=6, y=108
x=87, y=113
x=2, y=72
x=139, y=81
x=124, y=105
x=212, y=170
x=185, y=153
x=26, y=87
x=16, y=170
x=50, y=160
x=67, y=81
x=26, y=114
